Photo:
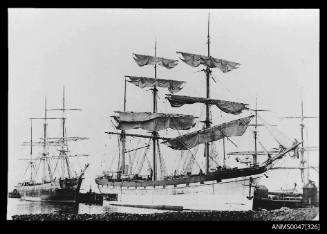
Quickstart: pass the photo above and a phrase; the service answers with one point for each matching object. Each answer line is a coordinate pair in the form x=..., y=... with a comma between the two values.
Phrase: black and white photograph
x=163, y=114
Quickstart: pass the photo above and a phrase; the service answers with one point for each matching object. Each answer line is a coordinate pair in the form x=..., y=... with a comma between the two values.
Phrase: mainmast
x=154, y=133
x=207, y=120
x=44, y=153
x=45, y=150
x=63, y=155
x=65, y=151
x=123, y=138
x=31, y=152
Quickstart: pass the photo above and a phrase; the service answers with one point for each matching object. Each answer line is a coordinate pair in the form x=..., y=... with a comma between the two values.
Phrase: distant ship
x=14, y=194
x=305, y=192
x=217, y=186
x=303, y=154
x=66, y=186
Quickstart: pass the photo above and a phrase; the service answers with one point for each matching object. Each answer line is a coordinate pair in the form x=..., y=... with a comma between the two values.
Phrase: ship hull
x=227, y=194
x=50, y=192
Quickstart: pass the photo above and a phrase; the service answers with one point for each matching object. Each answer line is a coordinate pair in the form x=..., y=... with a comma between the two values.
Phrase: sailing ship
x=66, y=186
x=299, y=188
x=303, y=157
x=218, y=187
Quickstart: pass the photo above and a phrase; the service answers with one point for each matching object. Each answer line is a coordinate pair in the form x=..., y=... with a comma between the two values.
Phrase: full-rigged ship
x=299, y=167
x=217, y=187
x=65, y=187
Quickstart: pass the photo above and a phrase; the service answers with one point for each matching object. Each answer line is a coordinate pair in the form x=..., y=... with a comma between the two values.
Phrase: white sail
x=153, y=121
x=173, y=86
x=195, y=60
x=229, y=129
x=143, y=60
x=225, y=106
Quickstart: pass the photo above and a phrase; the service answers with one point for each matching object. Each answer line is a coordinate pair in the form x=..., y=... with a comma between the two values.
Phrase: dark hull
x=57, y=191
x=269, y=204
x=14, y=195
x=213, y=176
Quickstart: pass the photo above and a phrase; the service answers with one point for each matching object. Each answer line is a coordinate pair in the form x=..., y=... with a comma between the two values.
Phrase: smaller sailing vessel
x=54, y=185
x=304, y=191
x=303, y=152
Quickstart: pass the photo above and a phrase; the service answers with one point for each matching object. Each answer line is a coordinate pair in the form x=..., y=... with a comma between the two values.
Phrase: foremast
x=155, y=109
x=123, y=138
x=155, y=134
x=45, y=152
x=45, y=148
x=164, y=118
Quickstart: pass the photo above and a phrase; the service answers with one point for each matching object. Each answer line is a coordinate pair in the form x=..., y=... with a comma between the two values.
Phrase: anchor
x=250, y=186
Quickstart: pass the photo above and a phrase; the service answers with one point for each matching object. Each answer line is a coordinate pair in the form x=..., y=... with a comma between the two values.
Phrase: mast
x=63, y=112
x=44, y=137
x=302, y=162
x=255, y=132
x=45, y=153
x=154, y=133
x=64, y=133
x=31, y=152
x=123, y=137
x=63, y=157
x=224, y=162
x=302, y=117
x=207, y=121
x=45, y=125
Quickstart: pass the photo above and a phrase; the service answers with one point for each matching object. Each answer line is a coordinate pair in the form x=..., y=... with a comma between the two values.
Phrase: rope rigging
x=222, y=85
x=133, y=157
x=188, y=149
x=179, y=161
x=162, y=163
x=140, y=163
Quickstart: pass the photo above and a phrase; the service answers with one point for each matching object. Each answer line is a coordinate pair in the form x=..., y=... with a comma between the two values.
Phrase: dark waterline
x=16, y=206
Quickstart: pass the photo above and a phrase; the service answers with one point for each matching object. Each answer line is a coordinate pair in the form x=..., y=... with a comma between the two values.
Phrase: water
x=16, y=206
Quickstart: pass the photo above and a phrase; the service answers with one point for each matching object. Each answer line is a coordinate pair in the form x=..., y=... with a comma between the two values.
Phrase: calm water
x=16, y=206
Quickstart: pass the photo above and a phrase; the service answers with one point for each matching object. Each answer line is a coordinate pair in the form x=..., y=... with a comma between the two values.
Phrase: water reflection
x=18, y=207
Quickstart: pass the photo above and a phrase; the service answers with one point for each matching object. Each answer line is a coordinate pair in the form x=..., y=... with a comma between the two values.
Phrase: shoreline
x=283, y=214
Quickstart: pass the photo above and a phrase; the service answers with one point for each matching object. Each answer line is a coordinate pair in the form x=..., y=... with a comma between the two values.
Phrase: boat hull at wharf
x=196, y=193
x=56, y=191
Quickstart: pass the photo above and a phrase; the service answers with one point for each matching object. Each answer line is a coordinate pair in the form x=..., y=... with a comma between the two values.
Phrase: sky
x=90, y=50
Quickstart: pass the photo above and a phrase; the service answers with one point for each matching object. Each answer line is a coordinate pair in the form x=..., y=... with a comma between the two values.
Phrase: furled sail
x=143, y=60
x=226, y=106
x=229, y=129
x=173, y=86
x=195, y=60
x=153, y=121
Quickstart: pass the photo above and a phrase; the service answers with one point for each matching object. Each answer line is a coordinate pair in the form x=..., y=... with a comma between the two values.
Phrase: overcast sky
x=90, y=50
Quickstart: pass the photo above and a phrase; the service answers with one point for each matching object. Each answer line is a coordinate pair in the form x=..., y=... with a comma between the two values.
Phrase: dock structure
x=157, y=207
x=96, y=198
